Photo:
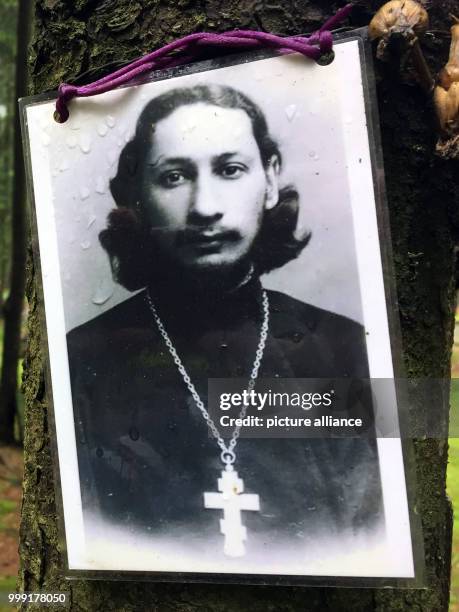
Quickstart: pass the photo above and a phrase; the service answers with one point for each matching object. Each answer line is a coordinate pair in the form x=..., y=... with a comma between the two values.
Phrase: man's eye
x=232, y=171
x=173, y=178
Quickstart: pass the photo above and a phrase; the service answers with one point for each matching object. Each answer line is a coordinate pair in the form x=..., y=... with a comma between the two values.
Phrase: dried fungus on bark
x=399, y=24
x=446, y=99
x=405, y=18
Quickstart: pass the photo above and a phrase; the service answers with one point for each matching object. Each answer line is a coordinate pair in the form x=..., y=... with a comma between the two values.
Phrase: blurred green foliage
x=453, y=492
x=8, y=585
x=453, y=469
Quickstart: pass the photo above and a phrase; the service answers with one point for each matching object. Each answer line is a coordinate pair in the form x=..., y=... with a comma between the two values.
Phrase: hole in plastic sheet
x=326, y=58
x=134, y=434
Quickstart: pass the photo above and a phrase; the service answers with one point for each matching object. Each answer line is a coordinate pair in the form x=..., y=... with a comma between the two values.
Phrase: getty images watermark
x=305, y=407
x=291, y=407
x=275, y=400
x=258, y=400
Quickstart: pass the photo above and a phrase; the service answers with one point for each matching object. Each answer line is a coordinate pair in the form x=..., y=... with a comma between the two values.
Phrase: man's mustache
x=194, y=234
x=191, y=234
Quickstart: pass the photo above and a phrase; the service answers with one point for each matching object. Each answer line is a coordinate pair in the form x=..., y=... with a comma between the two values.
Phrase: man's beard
x=206, y=275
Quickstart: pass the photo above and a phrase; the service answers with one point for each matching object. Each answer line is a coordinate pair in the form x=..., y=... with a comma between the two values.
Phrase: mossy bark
x=72, y=37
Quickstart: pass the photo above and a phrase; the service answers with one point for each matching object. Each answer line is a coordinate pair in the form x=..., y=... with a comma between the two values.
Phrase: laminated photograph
x=220, y=221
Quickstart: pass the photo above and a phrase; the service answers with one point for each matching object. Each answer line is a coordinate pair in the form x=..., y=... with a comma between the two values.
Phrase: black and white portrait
x=216, y=224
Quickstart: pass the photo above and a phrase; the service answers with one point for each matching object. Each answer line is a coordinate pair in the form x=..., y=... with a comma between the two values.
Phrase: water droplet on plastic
x=312, y=153
x=103, y=292
x=348, y=119
x=45, y=139
x=290, y=111
x=110, y=121
x=316, y=157
x=91, y=220
x=119, y=142
x=71, y=141
x=85, y=245
x=189, y=127
x=85, y=143
x=100, y=185
x=134, y=434
x=315, y=106
x=112, y=156
x=102, y=129
x=84, y=193
x=64, y=165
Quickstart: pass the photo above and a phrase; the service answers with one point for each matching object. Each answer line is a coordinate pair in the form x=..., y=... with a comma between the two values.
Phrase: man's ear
x=272, y=189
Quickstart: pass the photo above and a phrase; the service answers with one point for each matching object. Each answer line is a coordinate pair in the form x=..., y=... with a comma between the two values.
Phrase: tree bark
x=12, y=308
x=4, y=211
x=72, y=37
x=8, y=18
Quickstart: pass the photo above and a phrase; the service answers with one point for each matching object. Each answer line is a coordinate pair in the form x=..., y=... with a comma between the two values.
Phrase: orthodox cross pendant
x=232, y=500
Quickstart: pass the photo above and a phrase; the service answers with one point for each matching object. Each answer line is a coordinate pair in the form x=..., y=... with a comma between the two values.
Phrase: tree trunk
x=12, y=309
x=8, y=17
x=5, y=181
x=70, y=38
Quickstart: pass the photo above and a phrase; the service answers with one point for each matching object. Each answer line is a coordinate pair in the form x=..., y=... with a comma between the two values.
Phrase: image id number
x=43, y=598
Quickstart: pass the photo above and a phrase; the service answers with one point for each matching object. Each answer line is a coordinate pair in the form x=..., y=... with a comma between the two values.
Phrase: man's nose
x=205, y=203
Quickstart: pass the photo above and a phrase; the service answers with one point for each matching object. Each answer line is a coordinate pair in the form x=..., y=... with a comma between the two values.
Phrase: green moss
x=453, y=492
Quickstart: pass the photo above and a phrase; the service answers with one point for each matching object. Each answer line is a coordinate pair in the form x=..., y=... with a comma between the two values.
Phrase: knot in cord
x=65, y=93
x=325, y=42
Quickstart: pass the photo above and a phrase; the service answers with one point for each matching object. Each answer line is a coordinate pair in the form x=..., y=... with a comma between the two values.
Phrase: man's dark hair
x=127, y=238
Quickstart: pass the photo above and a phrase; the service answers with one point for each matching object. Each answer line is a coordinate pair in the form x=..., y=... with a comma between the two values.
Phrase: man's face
x=204, y=188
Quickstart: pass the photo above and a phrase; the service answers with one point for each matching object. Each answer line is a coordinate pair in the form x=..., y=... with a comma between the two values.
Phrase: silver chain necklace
x=230, y=499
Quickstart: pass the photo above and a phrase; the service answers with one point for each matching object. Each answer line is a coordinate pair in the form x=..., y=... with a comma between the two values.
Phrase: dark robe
x=145, y=456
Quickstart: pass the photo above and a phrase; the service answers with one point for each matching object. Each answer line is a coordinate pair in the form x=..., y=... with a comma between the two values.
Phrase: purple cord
x=187, y=48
